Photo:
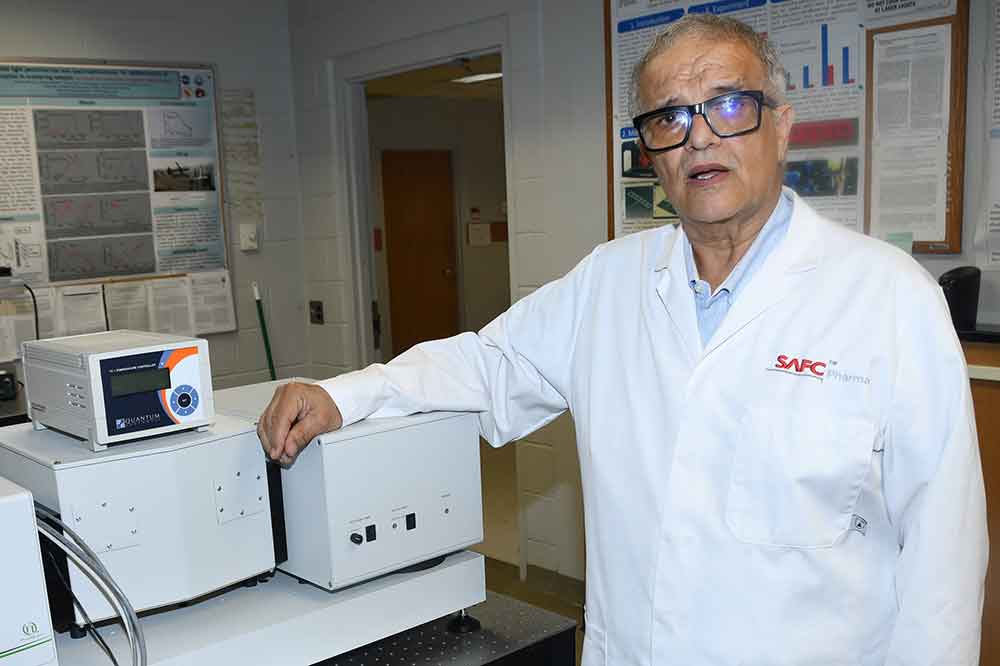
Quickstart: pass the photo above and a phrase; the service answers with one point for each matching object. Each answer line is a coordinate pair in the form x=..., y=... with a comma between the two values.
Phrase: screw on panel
x=237, y=475
x=221, y=510
x=131, y=509
x=219, y=489
x=104, y=505
x=241, y=512
x=133, y=531
x=329, y=584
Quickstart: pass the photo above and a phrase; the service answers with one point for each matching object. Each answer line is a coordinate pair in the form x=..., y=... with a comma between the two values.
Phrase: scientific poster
x=821, y=44
x=101, y=165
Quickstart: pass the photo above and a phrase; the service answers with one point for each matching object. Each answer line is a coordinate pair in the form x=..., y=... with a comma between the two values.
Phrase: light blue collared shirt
x=712, y=308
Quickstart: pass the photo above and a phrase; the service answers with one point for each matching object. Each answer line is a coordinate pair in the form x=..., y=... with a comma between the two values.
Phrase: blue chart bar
x=805, y=76
x=824, y=40
x=846, y=71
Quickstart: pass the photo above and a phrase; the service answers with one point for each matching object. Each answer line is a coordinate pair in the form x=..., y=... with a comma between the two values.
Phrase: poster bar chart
x=826, y=69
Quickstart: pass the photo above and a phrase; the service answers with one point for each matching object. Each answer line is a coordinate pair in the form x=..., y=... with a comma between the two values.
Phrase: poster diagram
x=102, y=215
x=89, y=129
x=183, y=127
x=87, y=258
x=88, y=172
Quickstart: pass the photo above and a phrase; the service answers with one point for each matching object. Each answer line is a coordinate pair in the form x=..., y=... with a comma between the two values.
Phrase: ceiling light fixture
x=478, y=78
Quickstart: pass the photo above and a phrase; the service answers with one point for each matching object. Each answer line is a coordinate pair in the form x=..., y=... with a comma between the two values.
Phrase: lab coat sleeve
x=934, y=488
x=514, y=372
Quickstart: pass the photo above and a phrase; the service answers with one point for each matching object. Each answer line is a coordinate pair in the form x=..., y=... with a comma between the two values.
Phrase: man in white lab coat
x=774, y=421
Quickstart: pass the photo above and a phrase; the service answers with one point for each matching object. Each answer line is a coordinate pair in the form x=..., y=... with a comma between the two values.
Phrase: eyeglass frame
x=699, y=110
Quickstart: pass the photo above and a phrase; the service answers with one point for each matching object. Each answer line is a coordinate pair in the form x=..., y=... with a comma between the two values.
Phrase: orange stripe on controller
x=179, y=355
x=165, y=402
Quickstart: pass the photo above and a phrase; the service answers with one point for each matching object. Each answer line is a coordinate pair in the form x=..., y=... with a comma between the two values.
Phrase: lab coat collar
x=799, y=252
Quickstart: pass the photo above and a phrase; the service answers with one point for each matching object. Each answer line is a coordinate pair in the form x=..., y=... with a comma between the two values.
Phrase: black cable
x=34, y=304
x=89, y=627
x=104, y=302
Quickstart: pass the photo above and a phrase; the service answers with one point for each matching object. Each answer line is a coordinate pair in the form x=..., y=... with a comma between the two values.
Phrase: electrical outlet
x=248, y=237
x=316, y=312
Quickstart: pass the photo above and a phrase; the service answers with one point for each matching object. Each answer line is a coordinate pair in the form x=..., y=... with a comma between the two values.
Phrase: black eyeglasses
x=727, y=115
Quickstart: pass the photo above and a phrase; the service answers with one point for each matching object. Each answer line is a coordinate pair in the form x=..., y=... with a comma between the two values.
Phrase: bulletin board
x=824, y=46
x=111, y=199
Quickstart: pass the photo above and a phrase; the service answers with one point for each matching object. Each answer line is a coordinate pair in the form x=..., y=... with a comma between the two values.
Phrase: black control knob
x=184, y=400
x=357, y=539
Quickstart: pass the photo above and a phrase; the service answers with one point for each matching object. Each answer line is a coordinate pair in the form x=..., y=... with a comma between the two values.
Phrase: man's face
x=710, y=179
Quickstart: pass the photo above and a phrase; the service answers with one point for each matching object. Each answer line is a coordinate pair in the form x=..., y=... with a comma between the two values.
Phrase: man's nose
x=702, y=135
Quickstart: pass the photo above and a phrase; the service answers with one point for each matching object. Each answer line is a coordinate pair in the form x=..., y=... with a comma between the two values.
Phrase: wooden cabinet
x=986, y=396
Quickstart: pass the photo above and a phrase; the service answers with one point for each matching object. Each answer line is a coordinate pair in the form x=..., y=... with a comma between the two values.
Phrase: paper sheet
x=910, y=133
x=128, y=305
x=170, y=306
x=79, y=309
x=212, y=302
x=987, y=240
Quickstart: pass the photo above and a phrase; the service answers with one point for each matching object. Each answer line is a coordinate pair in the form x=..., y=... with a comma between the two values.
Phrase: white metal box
x=172, y=518
x=376, y=496
x=116, y=386
x=26, y=637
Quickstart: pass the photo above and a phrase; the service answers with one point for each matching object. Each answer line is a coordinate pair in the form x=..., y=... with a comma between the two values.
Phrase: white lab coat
x=738, y=512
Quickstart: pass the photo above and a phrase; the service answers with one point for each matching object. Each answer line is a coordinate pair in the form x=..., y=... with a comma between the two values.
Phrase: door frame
x=345, y=76
x=352, y=171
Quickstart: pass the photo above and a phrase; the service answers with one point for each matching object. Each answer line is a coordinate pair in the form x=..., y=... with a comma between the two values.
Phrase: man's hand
x=297, y=413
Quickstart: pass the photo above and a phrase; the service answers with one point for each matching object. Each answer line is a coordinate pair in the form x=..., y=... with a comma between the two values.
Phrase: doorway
x=439, y=219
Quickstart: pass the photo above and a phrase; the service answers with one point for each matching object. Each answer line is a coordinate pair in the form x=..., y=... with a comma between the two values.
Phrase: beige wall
x=473, y=131
x=253, y=53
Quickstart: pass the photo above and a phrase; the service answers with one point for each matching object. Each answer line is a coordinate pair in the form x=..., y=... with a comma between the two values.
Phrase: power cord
x=34, y=306
x=87, y=561
x=90, y=627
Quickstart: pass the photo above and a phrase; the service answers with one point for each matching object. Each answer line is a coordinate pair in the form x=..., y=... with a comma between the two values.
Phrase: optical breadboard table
x=512, y=633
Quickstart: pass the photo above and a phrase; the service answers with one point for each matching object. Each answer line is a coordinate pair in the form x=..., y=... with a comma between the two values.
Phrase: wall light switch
x=248, y=237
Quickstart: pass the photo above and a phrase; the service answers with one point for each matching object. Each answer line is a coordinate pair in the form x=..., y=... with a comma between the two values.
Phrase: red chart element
x=822, y=133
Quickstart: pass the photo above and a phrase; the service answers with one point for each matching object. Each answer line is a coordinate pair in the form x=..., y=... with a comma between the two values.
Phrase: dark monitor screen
x=139, y=381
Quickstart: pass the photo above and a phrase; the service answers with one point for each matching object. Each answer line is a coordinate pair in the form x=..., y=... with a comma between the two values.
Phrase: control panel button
x=357, y=539
x=184, y=400
x=370, y=533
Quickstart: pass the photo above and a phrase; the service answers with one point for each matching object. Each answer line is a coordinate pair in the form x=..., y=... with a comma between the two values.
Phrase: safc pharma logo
x=818, y=370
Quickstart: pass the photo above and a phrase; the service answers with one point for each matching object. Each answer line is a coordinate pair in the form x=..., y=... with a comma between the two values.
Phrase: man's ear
x=784, y=118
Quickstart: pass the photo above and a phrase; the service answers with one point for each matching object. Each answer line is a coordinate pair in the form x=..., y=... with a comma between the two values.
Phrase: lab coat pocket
x=797, y=475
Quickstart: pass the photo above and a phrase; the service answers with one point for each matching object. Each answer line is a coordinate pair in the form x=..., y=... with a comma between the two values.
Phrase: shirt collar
x=773, y=228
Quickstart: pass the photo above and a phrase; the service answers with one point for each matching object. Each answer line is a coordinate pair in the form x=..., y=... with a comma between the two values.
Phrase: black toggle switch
x=357, y=539
x=370, y=533
x=411, y=521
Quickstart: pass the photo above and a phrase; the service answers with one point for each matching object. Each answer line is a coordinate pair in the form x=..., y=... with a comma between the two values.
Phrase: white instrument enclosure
x=172, y=518
x=377, y=496
x=65, y=385
x=26, y=637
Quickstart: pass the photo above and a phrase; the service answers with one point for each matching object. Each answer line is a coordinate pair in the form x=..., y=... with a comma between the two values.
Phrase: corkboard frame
x=955, y=174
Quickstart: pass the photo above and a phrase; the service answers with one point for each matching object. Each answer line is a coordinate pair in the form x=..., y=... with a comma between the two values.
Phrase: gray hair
x=720, y=28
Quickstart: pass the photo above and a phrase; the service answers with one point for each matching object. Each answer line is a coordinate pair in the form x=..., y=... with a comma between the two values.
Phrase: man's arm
x=934, y=490
x=515, y=373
